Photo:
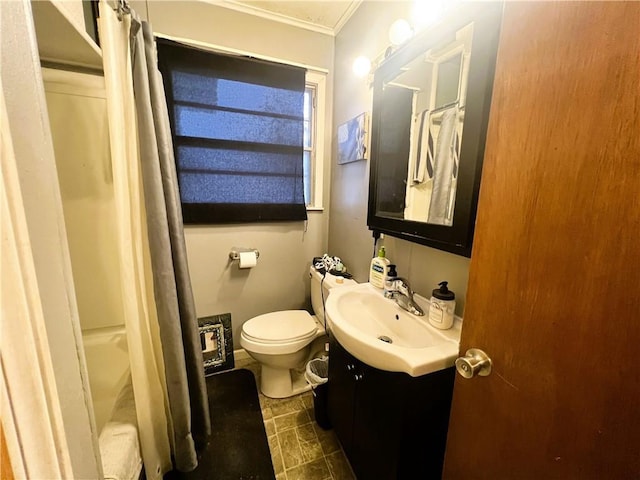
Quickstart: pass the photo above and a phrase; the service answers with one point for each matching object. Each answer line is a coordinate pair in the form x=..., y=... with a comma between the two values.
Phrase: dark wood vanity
x=390, y=425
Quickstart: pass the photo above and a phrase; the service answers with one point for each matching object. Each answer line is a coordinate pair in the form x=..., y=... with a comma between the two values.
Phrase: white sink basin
x=378, y=332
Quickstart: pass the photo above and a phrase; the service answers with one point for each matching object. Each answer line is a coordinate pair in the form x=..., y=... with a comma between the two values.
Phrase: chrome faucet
x=403, y=296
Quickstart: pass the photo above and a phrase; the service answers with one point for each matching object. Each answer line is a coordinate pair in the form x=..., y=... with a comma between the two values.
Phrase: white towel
x=444, y=168
x=119, y=443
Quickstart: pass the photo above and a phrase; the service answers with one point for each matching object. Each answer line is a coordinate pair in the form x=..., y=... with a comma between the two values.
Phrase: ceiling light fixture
x=428, y=12
x=399, y=32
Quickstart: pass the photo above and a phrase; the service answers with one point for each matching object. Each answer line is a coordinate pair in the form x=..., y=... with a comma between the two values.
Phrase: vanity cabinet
x=390, y=425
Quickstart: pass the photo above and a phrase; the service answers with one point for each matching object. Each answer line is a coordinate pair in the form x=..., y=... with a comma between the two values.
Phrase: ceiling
x=321, y=16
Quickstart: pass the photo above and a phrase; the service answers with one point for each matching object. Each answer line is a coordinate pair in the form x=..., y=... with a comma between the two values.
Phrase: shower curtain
x=166, y=363
x=182, y=349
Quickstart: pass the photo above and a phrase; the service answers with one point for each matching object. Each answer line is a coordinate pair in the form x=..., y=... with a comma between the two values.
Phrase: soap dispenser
x=390, y=282
x=443, y=303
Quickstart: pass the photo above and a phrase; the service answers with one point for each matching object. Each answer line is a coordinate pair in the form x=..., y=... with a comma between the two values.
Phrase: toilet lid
x=285, y=326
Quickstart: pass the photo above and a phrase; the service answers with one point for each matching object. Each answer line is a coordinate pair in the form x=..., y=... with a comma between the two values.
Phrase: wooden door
x=554, y=287
x=6, y=470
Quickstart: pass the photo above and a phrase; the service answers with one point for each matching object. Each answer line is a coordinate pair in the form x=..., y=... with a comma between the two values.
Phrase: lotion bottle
x=379, y=269
x=443, y=303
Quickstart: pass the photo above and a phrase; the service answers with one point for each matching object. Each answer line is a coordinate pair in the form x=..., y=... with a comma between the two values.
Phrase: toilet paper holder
x=234, y=254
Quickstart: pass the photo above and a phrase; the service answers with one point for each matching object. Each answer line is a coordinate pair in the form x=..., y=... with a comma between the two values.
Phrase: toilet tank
x=329, y=282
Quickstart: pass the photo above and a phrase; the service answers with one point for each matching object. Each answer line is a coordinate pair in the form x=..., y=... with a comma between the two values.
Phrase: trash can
x=317, y=375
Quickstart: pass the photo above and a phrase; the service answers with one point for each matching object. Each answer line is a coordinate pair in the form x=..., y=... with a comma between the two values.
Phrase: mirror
x=431, y=102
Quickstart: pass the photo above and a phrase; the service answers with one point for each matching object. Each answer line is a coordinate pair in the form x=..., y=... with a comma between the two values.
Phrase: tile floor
x=300, y=449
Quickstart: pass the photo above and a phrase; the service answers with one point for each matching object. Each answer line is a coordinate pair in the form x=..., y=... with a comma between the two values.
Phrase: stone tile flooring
x=300, y=449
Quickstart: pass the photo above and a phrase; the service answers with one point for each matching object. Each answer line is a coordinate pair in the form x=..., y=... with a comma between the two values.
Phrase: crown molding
x=278, y=17
x=346, y=16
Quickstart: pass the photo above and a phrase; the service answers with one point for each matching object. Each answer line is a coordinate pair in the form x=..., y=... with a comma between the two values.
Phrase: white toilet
x=283, y=342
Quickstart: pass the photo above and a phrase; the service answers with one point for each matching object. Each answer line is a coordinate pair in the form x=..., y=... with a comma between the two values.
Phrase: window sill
x=315, y=209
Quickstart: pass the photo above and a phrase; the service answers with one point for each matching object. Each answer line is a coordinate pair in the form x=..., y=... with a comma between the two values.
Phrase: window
x=314, y=150
x=240, y=135
x=309, y=142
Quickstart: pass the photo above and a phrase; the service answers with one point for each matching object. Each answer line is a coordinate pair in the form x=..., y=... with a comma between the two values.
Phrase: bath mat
x=238, y=448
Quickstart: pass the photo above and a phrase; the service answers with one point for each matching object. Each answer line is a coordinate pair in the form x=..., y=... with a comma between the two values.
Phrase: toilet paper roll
x=248, y=259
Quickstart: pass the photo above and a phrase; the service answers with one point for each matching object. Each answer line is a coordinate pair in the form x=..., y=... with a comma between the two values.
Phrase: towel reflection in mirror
x=436, y=166
x=438, y=120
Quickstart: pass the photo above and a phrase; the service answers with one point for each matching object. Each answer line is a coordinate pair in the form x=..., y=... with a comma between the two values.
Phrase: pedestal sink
x=378, y=332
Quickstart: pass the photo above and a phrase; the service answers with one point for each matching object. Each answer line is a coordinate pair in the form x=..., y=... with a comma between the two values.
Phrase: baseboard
x=241, y=354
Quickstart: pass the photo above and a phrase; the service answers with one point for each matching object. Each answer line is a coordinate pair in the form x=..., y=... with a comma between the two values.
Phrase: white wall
x=79, y=126
x=280, y=280
x=78, y=117
x=349, y=238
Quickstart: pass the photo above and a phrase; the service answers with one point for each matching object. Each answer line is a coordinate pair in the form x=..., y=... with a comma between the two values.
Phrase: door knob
x=475, y=362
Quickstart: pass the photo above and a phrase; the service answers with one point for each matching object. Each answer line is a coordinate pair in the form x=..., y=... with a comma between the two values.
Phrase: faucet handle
x=403, y=284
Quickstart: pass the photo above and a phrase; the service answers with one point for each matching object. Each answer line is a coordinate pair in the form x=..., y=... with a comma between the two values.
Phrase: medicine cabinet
x=431, y=101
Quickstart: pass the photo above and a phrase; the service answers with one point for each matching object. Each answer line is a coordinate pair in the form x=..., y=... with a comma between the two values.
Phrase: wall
x=77, y=109
x=280, y=281
x=349, y=238
x=78, y=117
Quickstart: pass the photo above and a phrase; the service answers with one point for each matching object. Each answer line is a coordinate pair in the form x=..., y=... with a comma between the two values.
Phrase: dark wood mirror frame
x=458, y=238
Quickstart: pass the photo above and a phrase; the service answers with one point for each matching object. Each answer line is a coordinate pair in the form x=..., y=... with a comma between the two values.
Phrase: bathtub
x=108, y=363
x=113, y=402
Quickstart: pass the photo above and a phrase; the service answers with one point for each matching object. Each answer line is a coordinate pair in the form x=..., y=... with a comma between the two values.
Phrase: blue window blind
x=237, y=125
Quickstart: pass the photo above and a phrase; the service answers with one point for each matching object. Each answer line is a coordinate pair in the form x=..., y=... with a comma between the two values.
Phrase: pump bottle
x=443, y=303
x=390, y=282
x=379, y=269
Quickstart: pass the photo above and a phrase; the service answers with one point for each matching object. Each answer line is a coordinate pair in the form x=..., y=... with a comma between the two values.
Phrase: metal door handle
x=475, y=362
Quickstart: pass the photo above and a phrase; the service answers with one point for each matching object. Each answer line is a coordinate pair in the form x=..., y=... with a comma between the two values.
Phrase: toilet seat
x=279, y=332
